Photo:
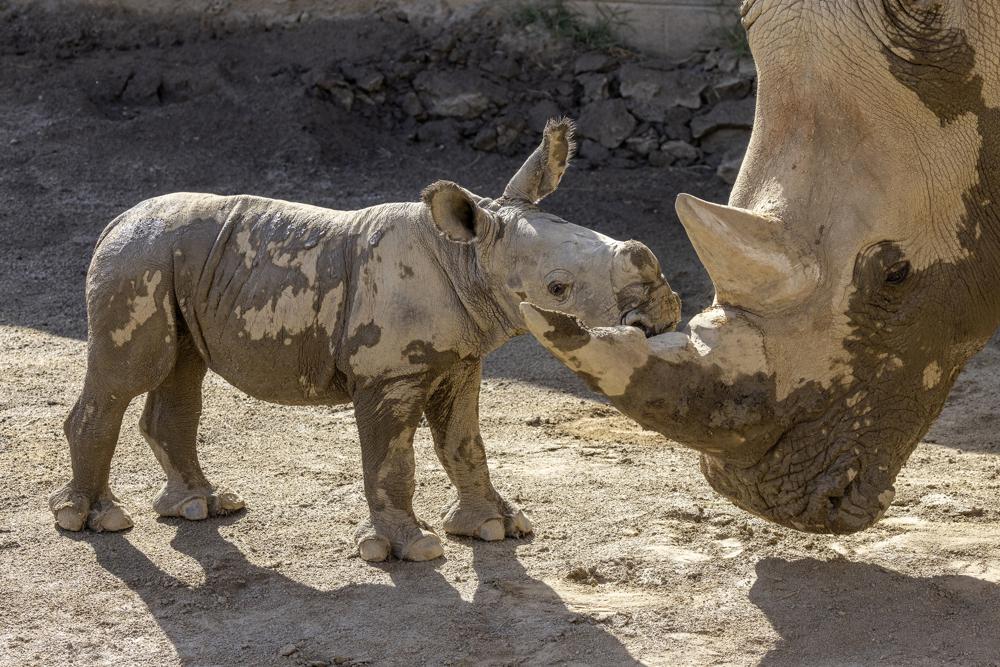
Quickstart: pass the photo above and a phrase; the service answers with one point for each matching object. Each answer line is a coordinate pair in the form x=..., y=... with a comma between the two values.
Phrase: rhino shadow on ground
x=842, y=612
x=246, y=614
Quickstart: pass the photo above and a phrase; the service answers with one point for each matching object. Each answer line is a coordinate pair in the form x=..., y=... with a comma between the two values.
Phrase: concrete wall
x=671, y=28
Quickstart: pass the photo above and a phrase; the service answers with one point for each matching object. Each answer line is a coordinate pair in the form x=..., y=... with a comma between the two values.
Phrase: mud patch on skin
x=367, y=335
x=291, y=312
x=641, y=258
x=567, y=333
x=423, y=353
x=141, y=308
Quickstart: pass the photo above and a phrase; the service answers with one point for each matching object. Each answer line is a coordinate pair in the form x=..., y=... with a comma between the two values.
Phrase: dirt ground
x=635, y=559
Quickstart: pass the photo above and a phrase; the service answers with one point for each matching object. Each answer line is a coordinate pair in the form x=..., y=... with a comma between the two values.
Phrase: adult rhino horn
x=754, y=260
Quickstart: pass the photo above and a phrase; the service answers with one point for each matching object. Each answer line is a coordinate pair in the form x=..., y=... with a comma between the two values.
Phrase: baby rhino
x=392, y=308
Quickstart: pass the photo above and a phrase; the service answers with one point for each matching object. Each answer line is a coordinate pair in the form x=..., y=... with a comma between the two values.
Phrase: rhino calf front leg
x=478, y=510
x=388, y=416
x=169, y=424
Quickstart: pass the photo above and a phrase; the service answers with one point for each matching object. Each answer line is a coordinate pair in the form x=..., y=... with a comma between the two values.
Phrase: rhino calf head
x=527, y=254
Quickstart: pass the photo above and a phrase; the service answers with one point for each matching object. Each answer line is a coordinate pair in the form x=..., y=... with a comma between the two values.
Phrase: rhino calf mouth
x=646, y=324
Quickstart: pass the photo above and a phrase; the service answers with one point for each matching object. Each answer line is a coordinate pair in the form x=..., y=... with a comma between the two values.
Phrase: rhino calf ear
x=539, y=176
x=455, y=211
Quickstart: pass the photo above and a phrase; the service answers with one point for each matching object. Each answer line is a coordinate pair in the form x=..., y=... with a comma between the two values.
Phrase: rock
x=676, y=124
x=335, y=87
x=725, y=115
x=107, y=85
x=659, y=159
x=729, y=140
x=731, y=88
x=367, y=79
x=504, y=67
x=728, y=61
x=485, y=139
x=622, y=162
x=594, y=61
x=590, y=576
x=644, y=143
x=711, y=59
x=747, y=67
x=288, y=649
x=540, y=113
x=679, y=152
x=595, y=86
x=509, y=131
x=439, y=132
x=593, y=152
x=456, y=94
x=607, y=122
x=143, y=87
x=652, y=93
x=344, y=97
x=411, y=106
x=561, y=88
x=729, y=168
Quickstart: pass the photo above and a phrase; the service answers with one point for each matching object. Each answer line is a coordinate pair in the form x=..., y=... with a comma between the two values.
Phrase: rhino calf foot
x=411, y=542
x=75, y=511
x=486, y=520
x=195, y=504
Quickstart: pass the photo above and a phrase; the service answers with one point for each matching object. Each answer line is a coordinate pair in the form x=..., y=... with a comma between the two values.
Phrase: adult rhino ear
x=455, y=211
x=539, y=176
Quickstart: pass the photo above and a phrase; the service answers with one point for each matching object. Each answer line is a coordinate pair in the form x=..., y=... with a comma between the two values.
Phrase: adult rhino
x=857, y=266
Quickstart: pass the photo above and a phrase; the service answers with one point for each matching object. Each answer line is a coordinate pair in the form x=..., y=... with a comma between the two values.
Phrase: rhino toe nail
x=227, y=501
x=69, y=519
x=373, y=549
x=518, y=525
x=194, y=509
x=427, y=547
x=491, y=530
x=114, y=520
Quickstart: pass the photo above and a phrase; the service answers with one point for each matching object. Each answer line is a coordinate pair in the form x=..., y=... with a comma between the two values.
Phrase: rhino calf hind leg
x=387, y=418
x=131, y=349
x=169, y=424
x=478, y=510
x=92, y=431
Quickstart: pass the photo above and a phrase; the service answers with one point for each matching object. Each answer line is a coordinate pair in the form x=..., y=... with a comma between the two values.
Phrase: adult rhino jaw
x=710, y=387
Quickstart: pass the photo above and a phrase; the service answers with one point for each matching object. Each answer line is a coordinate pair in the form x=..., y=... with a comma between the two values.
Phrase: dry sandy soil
x=635, y=559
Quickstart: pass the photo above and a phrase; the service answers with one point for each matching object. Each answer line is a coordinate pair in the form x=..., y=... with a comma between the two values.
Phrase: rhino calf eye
x=557, y=289
x=897, y=273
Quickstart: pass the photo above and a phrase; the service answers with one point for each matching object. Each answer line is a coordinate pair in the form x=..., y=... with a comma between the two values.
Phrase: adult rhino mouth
x=847, y=495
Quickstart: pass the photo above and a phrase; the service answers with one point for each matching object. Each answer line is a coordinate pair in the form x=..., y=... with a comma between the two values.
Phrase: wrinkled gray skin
x=391, y=308
x=857, y=267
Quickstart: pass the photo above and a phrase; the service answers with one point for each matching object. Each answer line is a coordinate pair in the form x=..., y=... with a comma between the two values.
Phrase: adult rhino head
x=857, y=266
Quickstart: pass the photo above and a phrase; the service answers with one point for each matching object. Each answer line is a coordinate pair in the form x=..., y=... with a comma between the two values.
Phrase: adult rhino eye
x=897, y=273
x=557, y=289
